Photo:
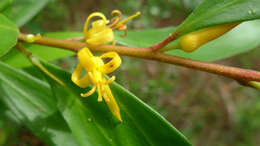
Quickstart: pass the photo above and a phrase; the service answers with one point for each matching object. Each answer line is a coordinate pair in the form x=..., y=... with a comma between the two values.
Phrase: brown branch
x=164, y=42
x=243, y=76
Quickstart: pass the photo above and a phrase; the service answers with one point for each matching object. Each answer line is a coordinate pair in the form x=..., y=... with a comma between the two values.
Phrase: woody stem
x=243, y=76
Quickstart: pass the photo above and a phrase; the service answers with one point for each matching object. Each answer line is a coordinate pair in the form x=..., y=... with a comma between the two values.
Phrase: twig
x=243, y=76
x=164, y=42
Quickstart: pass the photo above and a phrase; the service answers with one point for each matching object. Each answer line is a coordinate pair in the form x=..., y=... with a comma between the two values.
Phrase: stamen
x=105, y=96
x=130, y=17
x=91, y=77
x=90, y=92
x=99, y=92
x=114, y=22
x=110, y=80
x=125, y=33
x=117, y=12
x=116, y=19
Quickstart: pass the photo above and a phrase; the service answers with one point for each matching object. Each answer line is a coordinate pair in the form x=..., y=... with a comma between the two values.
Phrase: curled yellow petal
x=86, y=59
x=102, y=37
x=96, y=14
x=81, y=82
x=97, y=26
x=113, y=64
x=99, y=33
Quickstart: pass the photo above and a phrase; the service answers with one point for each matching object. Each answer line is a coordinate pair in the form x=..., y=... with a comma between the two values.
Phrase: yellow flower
x=95, y=70
x=101, y=33
x=98, y=34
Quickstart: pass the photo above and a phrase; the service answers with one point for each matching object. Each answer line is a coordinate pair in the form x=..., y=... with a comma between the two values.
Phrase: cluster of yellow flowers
x=100, y=32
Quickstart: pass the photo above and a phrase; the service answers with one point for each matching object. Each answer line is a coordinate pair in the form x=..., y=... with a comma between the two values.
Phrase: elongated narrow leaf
x=21, y=11
x=93, y=124
x=33, y=105
x=214, y=12
x=8, y=35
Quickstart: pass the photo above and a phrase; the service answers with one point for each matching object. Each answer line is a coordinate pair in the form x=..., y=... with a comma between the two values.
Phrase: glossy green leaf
x=215, y=12
x=5, y=3
x=32, y=103
x=21, y=11
x=8, y=35
x=143, y=38
x=92, y=123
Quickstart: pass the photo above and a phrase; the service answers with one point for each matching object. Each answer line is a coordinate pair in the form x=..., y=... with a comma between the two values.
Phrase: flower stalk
x=35, y=61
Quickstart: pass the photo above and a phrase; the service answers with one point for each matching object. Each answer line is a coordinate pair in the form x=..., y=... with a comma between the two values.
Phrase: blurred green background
x=207, y=109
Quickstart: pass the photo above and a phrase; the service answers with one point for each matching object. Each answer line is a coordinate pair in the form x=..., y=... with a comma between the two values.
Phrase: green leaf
x=5, y=3
x=8, y=35
x=32, y=103
x=215, y=12
x=143, y=38
x=21, y=11
x=92, y=123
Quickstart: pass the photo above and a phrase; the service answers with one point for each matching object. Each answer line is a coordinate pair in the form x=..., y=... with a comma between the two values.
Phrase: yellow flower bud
x=194, y=40
x=30, y=38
